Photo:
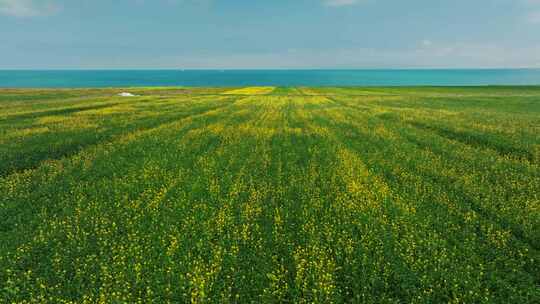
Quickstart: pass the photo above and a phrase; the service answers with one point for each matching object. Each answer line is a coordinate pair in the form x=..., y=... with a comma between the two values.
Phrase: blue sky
x=223, y=34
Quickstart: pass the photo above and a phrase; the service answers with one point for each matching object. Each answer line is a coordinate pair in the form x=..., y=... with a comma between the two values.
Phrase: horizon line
x=270, y=69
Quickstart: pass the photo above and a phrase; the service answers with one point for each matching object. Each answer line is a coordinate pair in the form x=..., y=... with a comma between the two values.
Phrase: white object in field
x=125, y=94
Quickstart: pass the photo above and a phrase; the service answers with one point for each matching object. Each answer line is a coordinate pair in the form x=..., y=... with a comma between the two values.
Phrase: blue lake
x=123, y=78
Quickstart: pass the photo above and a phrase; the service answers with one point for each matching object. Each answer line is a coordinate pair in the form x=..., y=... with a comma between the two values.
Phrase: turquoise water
x=122, y=78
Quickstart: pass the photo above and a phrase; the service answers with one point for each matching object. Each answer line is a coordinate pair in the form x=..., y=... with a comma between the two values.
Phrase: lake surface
x=136, y=78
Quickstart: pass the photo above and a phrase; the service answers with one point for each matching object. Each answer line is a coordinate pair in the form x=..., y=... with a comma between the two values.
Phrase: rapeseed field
x=270, y=195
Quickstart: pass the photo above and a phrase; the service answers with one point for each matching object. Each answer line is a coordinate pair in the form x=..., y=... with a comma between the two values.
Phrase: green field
x=250, y=195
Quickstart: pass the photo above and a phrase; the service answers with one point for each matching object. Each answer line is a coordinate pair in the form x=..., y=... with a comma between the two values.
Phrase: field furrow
x=259, y=194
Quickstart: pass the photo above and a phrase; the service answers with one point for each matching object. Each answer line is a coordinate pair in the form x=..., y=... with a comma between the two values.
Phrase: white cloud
x=27, y=8
x=534, y=17
x=337, y=3
x=175, y=2
x=439, y=55
x=427, y=43
x=533, y=14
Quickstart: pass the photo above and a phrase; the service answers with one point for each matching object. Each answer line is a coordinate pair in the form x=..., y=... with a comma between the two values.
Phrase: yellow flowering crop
x=270, y=195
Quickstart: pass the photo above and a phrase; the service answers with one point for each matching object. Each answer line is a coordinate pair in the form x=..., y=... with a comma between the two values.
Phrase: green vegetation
x=371, y=195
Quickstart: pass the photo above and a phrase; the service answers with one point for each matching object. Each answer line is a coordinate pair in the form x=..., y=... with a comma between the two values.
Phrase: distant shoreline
x=270, y=77
x=264, y=69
